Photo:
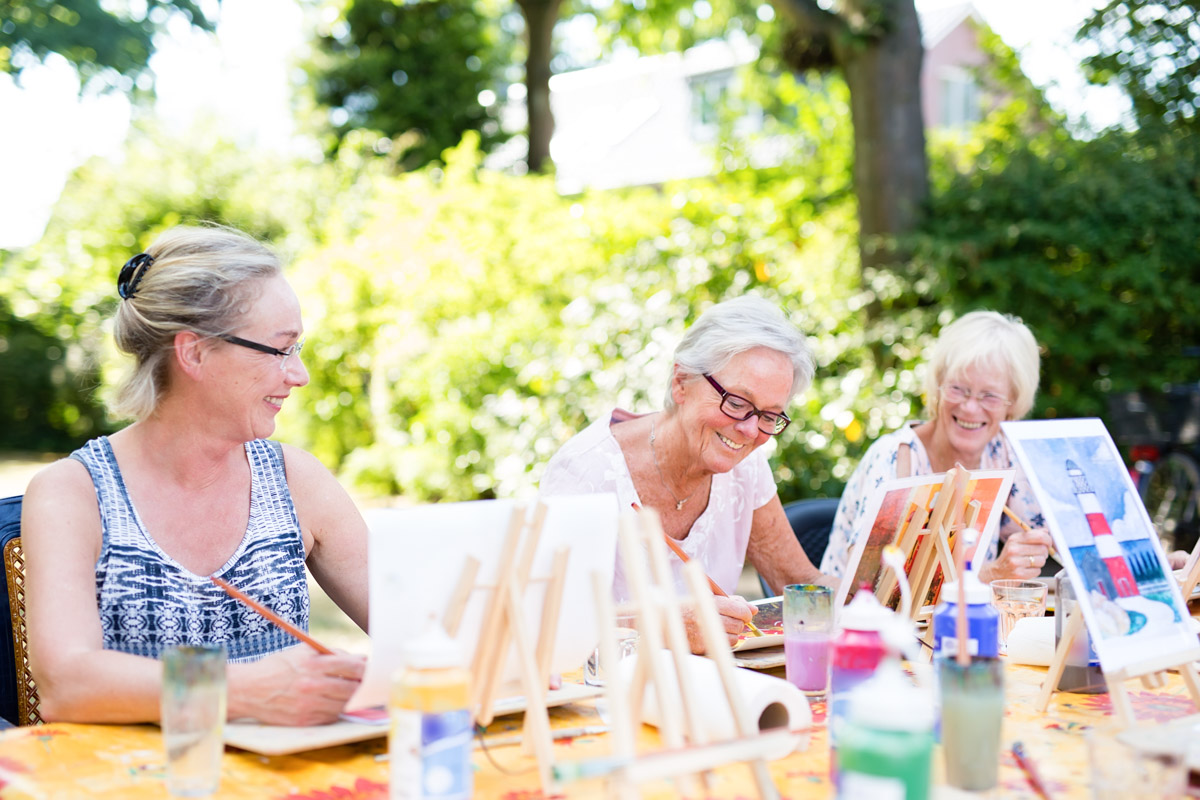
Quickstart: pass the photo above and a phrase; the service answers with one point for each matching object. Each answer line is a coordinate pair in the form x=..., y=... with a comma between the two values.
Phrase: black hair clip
x=131, y=274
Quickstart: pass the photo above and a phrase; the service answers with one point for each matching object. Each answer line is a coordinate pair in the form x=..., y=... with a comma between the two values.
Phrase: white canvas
x=416, y=556
x=1131, y=602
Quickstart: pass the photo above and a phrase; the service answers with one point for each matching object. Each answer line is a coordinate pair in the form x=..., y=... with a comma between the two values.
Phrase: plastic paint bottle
x=885, y=744
x=983, y=620
x=1081, y=671
x=430, y=741
x=857, y=650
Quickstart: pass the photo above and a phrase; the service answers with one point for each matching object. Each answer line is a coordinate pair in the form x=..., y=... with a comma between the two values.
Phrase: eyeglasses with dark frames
x=284, y=354
x=739, y=408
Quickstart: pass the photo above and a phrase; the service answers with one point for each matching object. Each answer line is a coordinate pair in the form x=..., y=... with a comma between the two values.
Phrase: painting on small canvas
x=1131, y=602
x=899, y=504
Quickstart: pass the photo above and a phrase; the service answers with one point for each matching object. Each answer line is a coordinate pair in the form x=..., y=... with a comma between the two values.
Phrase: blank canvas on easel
x=417, y=557
x=1131, y=602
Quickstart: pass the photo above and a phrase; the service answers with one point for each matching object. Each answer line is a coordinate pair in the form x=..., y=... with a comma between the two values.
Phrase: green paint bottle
x=885, y=745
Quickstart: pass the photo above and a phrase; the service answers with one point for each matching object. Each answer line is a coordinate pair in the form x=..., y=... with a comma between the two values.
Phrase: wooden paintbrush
x=713, y=585
x=272, y=616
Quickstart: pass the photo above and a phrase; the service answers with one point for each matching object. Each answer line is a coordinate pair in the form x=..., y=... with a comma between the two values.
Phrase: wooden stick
x=270, y=615
x=960, y=619
x=462, y=593
x=1025, y=526
x=713, y=585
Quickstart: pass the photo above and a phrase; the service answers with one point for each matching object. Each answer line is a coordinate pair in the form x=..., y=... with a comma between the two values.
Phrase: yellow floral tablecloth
x=110, y=761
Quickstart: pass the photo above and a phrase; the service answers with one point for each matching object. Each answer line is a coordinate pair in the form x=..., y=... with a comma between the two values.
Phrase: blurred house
x=655, y=118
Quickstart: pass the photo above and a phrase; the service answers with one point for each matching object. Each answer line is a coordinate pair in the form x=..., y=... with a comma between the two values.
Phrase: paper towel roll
x=773, y=702
x=1031, y=641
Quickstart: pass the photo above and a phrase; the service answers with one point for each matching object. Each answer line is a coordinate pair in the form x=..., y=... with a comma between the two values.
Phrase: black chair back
x=10, y=528
x=812, y=522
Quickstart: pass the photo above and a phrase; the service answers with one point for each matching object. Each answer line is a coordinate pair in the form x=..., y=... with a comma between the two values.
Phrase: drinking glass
x=1123, y=772
x=1017, y=599
x=807, y=630
x=193, y=718
x=595, y=669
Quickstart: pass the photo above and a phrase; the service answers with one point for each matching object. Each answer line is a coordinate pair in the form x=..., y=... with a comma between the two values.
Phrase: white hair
x=991, y=342
x=735, y=326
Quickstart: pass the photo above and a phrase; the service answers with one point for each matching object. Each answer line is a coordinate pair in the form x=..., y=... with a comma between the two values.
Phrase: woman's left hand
x=1023, y=556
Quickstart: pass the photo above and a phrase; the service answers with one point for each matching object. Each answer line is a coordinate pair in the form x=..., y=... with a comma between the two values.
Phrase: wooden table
x=110, y=761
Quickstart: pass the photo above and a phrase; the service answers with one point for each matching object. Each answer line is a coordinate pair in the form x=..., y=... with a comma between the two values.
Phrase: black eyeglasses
x=284, y=355
x=737, y=407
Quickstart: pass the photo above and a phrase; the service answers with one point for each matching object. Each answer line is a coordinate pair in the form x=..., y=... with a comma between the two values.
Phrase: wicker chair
x=18, y=692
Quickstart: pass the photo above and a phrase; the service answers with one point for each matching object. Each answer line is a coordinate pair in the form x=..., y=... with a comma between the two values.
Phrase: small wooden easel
x=689, y=756
x=931, y=541
x=504, y=626
x=1152, y=672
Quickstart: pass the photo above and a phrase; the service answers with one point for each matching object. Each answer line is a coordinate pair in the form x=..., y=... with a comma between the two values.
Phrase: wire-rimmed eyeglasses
x=737, y=407
x=961, y=394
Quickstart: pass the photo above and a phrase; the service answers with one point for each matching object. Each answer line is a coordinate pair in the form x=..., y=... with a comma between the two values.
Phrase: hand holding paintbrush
x=713, y=585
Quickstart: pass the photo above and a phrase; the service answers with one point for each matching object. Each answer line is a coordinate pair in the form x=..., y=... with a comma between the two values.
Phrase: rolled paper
x=773, y=702
x=1032, y=641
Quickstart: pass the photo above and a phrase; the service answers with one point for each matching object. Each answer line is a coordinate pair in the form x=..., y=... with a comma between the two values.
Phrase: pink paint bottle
x=856, y=652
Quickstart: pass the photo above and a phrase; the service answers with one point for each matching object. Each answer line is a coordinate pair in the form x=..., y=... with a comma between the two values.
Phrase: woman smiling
x=982, y=370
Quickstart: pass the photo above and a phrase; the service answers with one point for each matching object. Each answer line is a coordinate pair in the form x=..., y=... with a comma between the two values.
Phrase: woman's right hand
x=734, y=613
x=297, y=686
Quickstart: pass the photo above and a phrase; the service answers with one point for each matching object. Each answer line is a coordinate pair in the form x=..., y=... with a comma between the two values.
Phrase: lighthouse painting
x=1131, y=602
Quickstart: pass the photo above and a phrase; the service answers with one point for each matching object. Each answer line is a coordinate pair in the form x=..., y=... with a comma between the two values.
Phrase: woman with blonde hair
x=123, y=537
x=983, y=369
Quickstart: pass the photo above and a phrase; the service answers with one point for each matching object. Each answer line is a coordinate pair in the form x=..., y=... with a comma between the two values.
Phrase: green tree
x=101, y=42
x=413, y=72
x=1152, y=51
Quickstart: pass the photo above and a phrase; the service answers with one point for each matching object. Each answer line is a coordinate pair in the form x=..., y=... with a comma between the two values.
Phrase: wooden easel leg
x=718, y=650
x=1191, y=679
x=1120, y=700
x=1073, y=628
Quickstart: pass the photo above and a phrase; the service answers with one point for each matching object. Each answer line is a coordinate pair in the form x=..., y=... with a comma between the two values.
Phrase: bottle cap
x=889, y=701
x=433, y=649
x=978, y=593
x=865, y=613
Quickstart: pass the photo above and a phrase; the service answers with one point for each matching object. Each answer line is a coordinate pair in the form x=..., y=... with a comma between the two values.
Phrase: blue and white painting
x=1131, y=602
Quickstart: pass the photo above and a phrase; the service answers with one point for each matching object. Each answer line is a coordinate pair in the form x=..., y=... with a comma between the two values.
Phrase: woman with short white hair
x=983, y=369
x=698, y=462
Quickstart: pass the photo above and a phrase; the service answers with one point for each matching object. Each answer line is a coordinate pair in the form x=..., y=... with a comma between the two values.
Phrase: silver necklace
x=678, y=503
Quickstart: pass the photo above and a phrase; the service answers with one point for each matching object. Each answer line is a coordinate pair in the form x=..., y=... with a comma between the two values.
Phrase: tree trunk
x=891, y=171
x=540, y=17
x=878, y=47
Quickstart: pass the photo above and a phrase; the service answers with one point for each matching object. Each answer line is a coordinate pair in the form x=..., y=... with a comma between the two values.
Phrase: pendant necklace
x=678, y=503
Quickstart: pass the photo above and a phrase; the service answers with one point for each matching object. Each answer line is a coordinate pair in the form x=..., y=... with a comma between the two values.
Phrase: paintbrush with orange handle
x=716, y=588
x=272, y=616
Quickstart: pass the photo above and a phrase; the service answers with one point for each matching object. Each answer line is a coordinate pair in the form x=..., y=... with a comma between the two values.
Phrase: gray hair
x=986, y=340
x=202, y=280
x=735, y=326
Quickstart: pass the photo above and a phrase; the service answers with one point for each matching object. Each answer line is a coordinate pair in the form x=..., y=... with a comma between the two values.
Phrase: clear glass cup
x=193, y=718
x=807, y=631
x=1017, y=599
x=594, y=670
x=1119, y=771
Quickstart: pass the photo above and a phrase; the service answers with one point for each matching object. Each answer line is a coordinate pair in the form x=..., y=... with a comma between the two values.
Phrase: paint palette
x=769, y=620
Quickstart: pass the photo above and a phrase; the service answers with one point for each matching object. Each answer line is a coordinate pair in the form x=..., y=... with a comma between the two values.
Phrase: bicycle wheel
x=1171, y=493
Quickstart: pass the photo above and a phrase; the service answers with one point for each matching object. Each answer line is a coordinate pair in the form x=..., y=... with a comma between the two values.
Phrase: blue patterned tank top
x=148, y=601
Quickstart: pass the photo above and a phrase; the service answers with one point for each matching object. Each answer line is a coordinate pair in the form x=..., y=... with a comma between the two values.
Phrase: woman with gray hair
x=983, y=369
x=122, y=539
x=698, y=463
